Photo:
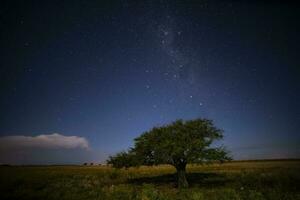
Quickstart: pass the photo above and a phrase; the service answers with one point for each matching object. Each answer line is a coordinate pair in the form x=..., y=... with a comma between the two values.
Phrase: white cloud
x=51, y=141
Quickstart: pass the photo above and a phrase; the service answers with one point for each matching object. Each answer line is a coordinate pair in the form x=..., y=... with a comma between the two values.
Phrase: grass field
x=235, y=180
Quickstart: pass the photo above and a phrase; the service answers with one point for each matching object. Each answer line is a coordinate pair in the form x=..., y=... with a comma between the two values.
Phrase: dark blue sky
x=109, y=71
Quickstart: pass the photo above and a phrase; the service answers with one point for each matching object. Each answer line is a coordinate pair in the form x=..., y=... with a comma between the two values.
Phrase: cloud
x=51, y=141
x=48, y=149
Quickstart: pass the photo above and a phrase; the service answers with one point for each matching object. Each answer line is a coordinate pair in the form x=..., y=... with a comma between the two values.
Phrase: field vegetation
x=233, y=180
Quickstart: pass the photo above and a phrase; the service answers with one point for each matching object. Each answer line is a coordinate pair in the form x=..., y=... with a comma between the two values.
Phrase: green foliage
x=123, y=159
x=177, y=144
x=180, y=142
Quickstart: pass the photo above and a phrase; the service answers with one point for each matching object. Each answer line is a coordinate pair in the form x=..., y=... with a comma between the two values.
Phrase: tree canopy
x=177, y=144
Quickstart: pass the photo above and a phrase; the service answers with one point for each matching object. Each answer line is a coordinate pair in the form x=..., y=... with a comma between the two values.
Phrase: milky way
x=109, y=71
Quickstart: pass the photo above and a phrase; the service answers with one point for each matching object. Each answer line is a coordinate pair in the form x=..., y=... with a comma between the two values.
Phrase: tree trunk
x=182, y=182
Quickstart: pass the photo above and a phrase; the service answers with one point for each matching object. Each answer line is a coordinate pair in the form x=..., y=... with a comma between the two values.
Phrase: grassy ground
x=236, y=180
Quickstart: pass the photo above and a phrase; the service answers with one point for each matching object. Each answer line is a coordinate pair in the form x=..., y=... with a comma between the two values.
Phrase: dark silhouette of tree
x=124, y=159
x=177, y=144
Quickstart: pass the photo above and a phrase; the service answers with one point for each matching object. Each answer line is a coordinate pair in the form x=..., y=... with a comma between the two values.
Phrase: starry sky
x=96, y=74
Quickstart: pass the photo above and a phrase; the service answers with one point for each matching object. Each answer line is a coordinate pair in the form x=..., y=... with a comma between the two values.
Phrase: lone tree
x=177, y=144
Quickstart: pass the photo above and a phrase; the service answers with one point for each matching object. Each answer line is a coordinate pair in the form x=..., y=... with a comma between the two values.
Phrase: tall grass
x=236, y=180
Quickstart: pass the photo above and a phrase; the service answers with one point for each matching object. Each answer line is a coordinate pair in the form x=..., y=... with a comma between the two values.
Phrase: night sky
x=104, y=72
